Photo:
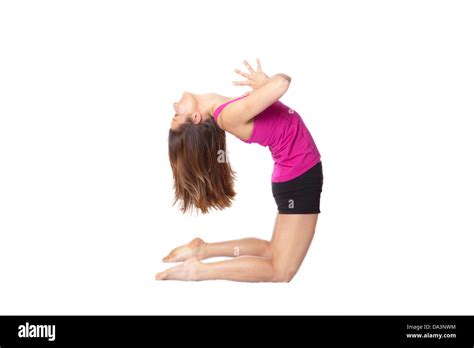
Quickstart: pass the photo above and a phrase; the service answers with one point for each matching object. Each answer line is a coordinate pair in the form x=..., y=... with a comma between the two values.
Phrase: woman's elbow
x=284, y=83
x=285, y=78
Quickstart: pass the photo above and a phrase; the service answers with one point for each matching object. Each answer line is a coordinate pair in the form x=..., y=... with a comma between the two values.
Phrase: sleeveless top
x=282, y=129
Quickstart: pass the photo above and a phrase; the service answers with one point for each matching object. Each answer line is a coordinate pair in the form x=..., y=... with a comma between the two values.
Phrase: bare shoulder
x=232, y=116
x=229, y=116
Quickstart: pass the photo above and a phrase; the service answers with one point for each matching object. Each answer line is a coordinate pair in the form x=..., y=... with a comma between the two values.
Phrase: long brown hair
x=203, y=178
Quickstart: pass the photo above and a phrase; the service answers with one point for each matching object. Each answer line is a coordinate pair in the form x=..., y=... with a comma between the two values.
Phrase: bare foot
x=185, y=271
x=194, y=248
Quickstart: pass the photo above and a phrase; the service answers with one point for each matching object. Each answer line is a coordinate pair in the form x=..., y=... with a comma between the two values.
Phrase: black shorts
x=300, y=195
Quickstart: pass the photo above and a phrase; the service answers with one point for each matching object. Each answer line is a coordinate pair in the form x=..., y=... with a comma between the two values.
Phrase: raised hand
x=255, y=79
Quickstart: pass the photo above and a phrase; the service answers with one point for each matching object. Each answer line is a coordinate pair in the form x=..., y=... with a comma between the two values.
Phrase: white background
x=86, y=92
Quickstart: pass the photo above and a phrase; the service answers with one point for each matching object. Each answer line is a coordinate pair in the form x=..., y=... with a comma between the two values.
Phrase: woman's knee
x=267, y=249
x=283, y=274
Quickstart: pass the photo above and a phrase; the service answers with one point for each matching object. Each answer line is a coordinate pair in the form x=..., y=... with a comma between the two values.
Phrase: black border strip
x=242, y=330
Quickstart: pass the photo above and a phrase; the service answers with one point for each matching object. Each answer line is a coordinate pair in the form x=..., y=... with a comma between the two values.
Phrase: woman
x=203, y=179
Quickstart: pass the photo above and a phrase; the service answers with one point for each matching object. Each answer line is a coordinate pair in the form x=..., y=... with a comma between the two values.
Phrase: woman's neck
x=209, y=102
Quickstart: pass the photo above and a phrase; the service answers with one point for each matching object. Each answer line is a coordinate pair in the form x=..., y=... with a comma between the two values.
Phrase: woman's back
x=284, y=132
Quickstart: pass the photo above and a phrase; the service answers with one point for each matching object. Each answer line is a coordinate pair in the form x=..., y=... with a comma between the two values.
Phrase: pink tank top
x=284, y=132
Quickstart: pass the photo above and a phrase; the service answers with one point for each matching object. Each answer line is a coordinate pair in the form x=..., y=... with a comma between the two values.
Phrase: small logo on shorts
x=291, y=204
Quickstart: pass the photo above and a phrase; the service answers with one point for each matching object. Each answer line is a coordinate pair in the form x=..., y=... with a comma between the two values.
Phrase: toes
x=178, y=272
x=184, y=252
x=160, y=276
x=171, y=257
x=174, y=257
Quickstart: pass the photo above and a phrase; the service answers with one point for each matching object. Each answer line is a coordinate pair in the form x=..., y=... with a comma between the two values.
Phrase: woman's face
x=183, y=109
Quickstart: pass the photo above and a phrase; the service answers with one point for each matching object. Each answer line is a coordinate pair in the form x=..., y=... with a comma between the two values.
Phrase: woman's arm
x=285, y=76
x=265, y=92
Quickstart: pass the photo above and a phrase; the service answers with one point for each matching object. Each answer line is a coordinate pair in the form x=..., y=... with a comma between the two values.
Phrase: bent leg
x=239, y=247
x=232, y=248
x=290, y=242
